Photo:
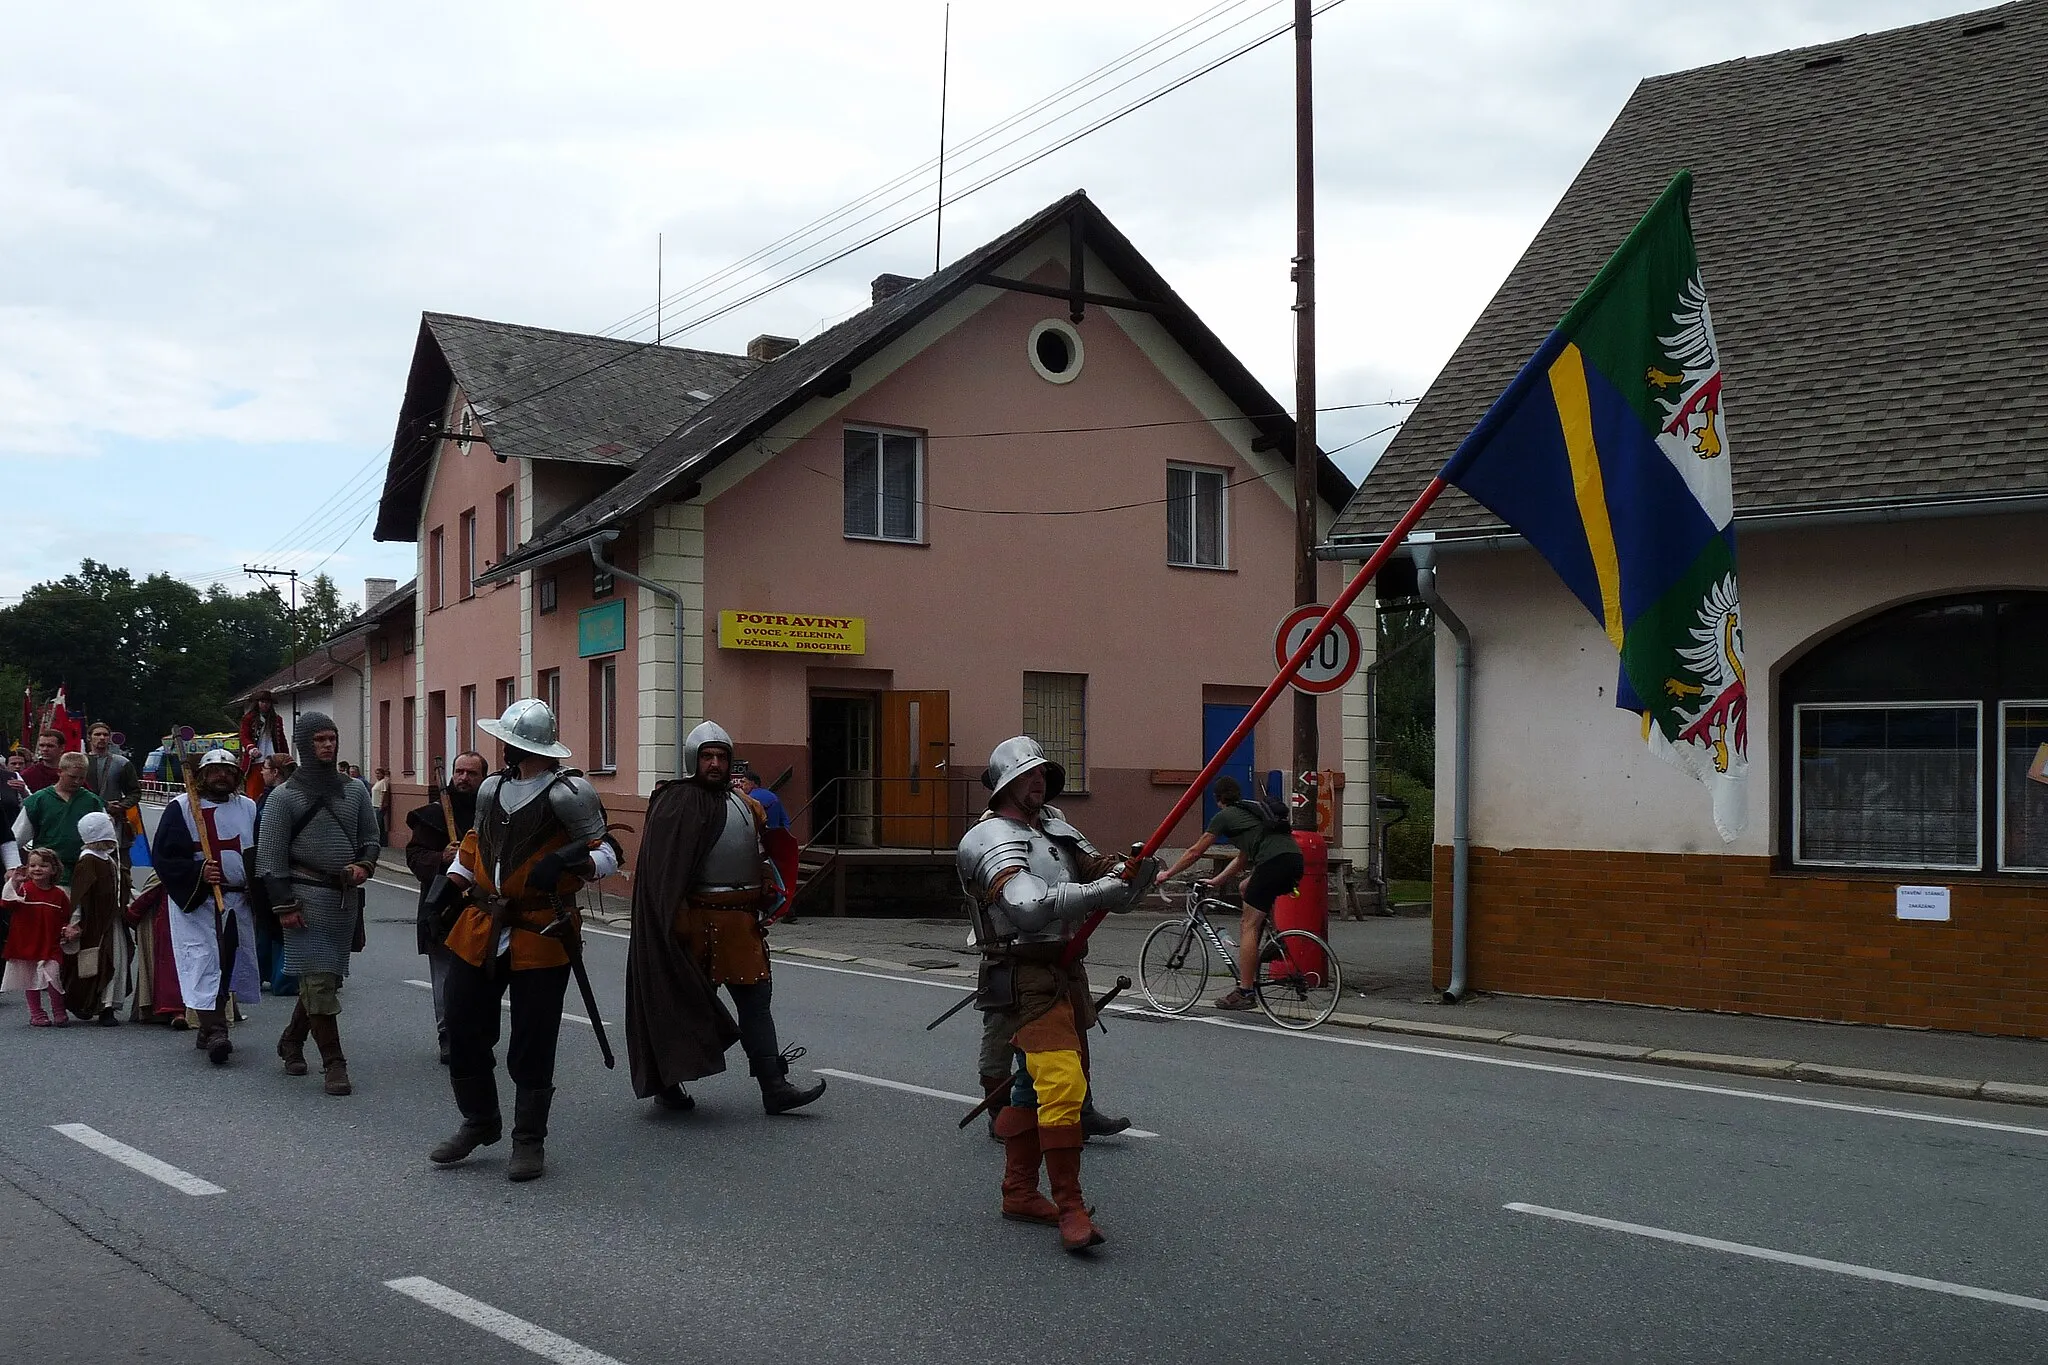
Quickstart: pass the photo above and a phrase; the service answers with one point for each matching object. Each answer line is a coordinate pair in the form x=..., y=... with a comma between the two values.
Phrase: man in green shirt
x=1276, y=865
x=49, y=818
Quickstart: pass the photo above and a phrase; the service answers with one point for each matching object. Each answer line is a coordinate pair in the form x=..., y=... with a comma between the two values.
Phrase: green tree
x=322, y=612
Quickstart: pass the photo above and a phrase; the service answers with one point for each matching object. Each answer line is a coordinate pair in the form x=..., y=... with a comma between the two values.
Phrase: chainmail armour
x=342, y=829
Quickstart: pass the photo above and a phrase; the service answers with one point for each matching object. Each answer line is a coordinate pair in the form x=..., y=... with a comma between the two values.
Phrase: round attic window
x=1055, y=351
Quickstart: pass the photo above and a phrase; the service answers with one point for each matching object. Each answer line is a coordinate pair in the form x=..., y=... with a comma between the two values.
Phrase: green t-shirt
x=1248, y=833
x=55, y=822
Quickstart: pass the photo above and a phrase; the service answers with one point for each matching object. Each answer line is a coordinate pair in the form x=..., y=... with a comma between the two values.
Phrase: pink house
x=1031, y=492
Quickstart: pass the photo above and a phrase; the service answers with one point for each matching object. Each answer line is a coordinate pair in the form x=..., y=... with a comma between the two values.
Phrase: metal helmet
x=529, y=726
x=710, y=732
x=218, y=758
x=1012, y=759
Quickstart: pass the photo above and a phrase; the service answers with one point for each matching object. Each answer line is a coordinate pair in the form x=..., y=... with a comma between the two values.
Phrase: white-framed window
x=1889, y=785
x=1055, y=351
x=508, y=521
x=604, y=713
x=2023, y=786
x=469, y=564
x=1056, y=715
x=544, y=593
x=1197, y=517
x=884, y=482
x=506, y=694
x=551, y=693
x=437, y=570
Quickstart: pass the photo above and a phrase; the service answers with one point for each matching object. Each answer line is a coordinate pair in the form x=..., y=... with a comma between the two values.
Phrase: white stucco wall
x=1555, y=765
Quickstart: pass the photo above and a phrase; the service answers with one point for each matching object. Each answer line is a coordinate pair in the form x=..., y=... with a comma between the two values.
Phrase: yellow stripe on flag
x=1575, y=414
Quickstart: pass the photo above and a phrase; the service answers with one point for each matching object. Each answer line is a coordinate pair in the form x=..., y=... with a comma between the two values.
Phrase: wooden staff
x=202, y=834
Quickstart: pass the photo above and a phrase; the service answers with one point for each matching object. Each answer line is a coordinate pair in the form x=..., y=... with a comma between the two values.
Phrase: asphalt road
x=1325, y=1197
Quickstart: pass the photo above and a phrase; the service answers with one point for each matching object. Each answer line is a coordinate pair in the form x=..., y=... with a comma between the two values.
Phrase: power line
x=405, y=470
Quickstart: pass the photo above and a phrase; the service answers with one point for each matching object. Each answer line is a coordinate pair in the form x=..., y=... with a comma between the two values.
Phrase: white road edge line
x=1512, y=1063
x=502, y=1004
x=500, y=1324
x=1861, y=1272
x=910, y=1089
x=183, y=1181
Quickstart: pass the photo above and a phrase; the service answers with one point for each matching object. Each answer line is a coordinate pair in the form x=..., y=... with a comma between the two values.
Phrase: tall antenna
x=945, y=63
x=657, y=289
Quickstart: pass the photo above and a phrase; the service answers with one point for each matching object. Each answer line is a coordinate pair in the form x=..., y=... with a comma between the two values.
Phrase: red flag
x=62, y=719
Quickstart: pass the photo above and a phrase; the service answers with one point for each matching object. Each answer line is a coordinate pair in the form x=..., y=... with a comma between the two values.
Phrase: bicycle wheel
x=1173, y=966
x=1300, y=988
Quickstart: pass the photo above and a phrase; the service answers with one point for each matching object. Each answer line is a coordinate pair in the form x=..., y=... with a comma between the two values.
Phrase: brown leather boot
x=326, y=1032
x=291, y=1044
x=1022, y=1203
x=1061, y=1148
x=213, y=1037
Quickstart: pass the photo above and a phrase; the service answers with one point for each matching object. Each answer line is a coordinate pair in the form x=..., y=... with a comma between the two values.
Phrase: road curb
x=1777, y=1068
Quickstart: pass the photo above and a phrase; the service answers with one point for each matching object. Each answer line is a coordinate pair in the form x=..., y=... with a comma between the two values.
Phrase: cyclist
x=1276, y=867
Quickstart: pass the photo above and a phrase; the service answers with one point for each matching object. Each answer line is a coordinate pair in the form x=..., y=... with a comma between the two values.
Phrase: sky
x=219, y=223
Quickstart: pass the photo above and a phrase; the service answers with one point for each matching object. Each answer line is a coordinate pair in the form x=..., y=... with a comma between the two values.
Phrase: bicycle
x=1299, y=979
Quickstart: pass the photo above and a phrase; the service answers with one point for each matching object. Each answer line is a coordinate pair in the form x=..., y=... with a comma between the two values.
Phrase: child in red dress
x=35, y=938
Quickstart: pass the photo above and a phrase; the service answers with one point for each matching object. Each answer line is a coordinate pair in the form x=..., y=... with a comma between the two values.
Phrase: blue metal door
x=1217, y=722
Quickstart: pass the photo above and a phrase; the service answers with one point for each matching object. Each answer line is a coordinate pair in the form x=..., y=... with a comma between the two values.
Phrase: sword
x=573, y=944
x=959, y=1005
x=1101, y=1002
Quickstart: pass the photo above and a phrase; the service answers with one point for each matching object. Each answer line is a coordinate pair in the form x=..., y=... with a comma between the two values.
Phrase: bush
x=1409, y=844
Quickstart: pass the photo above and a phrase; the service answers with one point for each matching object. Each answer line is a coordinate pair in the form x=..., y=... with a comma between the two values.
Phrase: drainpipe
x=598, y=543
x=1461, y=766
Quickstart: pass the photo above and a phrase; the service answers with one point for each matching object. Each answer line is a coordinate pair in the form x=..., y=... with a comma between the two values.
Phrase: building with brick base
x=1872, y=232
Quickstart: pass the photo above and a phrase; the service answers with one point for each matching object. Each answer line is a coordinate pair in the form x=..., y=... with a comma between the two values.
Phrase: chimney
x=375, y=590
x=766, y=347
x=888, y=287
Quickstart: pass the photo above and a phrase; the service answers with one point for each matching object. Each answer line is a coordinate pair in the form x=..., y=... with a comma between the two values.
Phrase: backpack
x=1271, y=818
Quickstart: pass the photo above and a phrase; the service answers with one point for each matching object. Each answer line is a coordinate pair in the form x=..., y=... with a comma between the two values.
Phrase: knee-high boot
x=291, y=1044
x=1061, y=1147
x=326, y=1031
x=482, y=1124
x=530, y=1106
x=1017, y=1126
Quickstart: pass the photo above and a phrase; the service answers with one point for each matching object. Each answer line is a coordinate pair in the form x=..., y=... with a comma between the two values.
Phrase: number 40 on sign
x=1334, y=659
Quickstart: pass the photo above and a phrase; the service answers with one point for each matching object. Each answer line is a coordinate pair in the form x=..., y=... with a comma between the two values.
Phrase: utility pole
x=1307, y=752
x=291, y=618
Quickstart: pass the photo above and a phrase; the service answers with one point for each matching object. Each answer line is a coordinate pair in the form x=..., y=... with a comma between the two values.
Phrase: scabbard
x=576, y=968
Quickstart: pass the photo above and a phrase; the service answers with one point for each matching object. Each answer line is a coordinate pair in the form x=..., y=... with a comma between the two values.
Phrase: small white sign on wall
x=1924, y=903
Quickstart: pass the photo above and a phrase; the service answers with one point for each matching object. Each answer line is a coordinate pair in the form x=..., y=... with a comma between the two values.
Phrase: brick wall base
x=1708, y=932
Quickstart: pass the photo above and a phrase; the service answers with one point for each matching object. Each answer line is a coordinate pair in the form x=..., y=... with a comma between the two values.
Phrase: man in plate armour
x=1031, y=879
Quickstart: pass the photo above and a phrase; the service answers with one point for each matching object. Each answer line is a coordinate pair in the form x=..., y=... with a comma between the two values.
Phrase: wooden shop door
x=913, y=767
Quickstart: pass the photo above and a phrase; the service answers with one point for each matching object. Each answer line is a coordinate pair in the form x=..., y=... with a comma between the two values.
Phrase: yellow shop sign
x=792, y=632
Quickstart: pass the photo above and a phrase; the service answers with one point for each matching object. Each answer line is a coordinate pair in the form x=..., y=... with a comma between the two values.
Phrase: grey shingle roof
x=823, y=365
x=544, y=394
x=1872, y=222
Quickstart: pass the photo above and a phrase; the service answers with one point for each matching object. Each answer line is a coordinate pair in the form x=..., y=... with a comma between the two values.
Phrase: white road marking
x=910, y=1089
x=1861, y=1272
x=395, y=886
x=500, y=1324
x=589, y=928
x=183, y=1181
x=878, y=976
x=1512, y=1063
x=502, y=1004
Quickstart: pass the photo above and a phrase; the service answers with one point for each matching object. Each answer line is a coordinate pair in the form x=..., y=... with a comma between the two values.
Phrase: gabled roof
x=823, y=366
x=542, y=394
x=1872, y=222
x=341, y=649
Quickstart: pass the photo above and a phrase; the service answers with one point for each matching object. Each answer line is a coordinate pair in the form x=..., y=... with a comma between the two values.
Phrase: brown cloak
x=677, y=1029
x=94, y=893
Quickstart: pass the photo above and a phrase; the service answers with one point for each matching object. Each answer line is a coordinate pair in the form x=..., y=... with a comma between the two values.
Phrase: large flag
x=1609, y=454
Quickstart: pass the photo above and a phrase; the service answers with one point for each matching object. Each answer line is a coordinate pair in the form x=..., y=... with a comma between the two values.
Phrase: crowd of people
x=258, y=874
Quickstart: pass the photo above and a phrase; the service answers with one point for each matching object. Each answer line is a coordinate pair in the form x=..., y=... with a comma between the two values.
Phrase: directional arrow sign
x=1335, y=657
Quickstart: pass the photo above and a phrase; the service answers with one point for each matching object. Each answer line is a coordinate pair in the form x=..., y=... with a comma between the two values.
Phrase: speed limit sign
x=1331, y=663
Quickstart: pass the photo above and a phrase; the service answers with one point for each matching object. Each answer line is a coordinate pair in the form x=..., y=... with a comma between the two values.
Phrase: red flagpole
x=1273, y=690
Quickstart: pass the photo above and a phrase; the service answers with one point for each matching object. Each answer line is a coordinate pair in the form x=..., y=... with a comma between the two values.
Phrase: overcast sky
x=219, y=223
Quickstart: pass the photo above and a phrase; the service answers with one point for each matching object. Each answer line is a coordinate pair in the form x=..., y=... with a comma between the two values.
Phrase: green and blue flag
x=1609, y=454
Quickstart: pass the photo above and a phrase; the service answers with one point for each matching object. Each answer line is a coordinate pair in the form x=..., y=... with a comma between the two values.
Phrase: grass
x=1403, y=892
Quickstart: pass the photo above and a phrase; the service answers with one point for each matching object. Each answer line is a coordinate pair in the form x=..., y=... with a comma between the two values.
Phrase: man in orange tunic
x=539, y=836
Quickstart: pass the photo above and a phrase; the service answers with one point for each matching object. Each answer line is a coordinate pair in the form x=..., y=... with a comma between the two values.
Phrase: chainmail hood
x=322, y=779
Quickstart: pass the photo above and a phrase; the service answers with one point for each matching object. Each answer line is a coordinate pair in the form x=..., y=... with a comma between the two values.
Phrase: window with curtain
x=884, y=485
x=1056, y=715
x=1195, y=517
x=1918, y=739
